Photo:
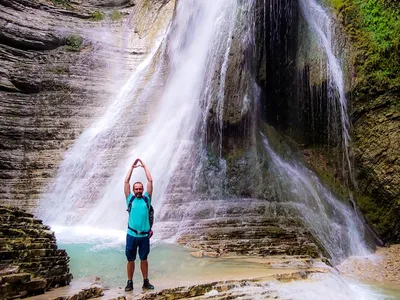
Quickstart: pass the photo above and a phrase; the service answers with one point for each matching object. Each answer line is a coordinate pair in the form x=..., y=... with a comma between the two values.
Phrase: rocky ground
x=244, y=285
x=383, y=267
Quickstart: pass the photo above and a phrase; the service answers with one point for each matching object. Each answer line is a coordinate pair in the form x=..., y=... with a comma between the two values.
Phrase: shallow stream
x=101, y=254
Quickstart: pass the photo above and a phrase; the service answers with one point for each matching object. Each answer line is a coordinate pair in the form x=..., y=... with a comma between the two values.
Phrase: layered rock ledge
x=262, y=282
x=30, y=262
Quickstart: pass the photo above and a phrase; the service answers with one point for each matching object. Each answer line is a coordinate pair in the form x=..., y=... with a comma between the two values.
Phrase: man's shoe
x=147, y=285
x=129, y=286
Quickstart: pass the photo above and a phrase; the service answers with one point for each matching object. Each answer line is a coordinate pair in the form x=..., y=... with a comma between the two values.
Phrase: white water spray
x=320, y=24
x=332, y=222
x=83, y=170
x=198, y=40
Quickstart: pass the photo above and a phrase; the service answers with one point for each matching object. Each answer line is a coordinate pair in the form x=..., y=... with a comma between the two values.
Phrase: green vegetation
x=97, y=16
x=115, y=15
x=374, y=29
x=61, y=70
x=64, y=3
x=381, y=217
x=74, y=42
x=374, y=26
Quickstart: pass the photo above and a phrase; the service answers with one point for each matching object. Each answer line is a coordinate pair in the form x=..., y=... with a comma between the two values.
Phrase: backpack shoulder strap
x=130, y=204
x=133, y=198
x=146, y=200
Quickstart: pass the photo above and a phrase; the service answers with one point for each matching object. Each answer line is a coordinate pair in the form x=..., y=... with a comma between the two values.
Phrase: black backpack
x=151, y=214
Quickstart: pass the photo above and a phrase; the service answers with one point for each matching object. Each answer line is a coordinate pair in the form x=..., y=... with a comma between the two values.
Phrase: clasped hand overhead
x=138, y=163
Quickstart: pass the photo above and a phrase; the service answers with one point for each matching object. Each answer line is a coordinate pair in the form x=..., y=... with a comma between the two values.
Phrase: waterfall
x=320, y=24
x=81, y=174
x=88, y=190
x=333, y=223
x=161, y=115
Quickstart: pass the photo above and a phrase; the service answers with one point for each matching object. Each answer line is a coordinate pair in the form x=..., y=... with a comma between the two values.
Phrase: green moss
x=212, y=158
x=322, y=160
x=378, y=216
x=374, y=26
x=381, y=24
x=63, y=3
x=337, y=4
x=97, y=16
x=234, y=154
x=61, y=70
x=115, y=15
x=328, y=178
x=74, y=42
x=282, y=145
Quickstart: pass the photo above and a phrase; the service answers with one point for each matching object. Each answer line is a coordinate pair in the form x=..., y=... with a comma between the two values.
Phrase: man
x=138, y=225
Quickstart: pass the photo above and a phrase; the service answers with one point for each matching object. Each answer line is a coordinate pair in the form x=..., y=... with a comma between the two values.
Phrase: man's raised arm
x=127, y=187
x=149, y=178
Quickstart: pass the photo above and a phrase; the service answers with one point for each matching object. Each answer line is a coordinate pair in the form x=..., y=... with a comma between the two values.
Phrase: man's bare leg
x=144, y=267
x=130, y=269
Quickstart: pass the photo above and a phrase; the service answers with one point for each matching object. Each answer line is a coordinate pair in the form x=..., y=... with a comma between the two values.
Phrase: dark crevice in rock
x=281, y=50
x=12, y=4
x=13, y=40
x=8, y=88
x=112, y=3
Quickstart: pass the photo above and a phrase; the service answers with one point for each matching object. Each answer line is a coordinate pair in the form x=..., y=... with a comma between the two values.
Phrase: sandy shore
x=382, y=267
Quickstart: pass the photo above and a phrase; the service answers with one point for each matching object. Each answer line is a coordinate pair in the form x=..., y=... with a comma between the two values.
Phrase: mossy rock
x=116, y=15
x=97, y=16
x=63, y=3
x=374, y=30
x=374, y=27
x=74, y=42
x=384, y=218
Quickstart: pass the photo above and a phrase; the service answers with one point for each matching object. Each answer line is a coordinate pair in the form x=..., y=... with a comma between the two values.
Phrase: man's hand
x=135, y=164
x=141, y=163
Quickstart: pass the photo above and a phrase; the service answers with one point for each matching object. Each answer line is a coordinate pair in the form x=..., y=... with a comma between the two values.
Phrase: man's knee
x=143, y=257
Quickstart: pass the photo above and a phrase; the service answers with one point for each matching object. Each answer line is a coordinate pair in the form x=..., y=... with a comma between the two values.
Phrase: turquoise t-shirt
x=139, y=215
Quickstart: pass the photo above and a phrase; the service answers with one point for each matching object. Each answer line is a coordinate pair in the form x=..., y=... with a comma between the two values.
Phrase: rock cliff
x=30, y=262
x=372, y=75
x=59, y=62
x=55, y=78
x=299, y=105
x=373, y=29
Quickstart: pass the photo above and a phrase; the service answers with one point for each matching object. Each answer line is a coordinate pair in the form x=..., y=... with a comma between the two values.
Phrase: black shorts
x=132, y=245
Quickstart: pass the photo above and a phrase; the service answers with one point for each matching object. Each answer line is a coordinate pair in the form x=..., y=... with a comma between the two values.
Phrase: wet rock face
x=260, y=228
x=377, y=155
x=236, y=225
x=59, y=62
x=45, y=94
x=297, y=104
x=30, y=262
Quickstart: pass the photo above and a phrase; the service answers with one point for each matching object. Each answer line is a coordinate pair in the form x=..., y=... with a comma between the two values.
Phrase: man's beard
x=138, y=195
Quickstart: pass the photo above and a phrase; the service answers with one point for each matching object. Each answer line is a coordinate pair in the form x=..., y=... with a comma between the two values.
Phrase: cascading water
x=332, y=222
x=320, y=24
x=83, y=170
x=197, y=44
